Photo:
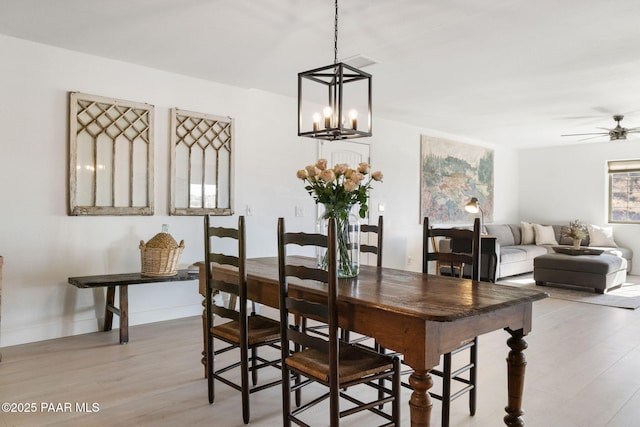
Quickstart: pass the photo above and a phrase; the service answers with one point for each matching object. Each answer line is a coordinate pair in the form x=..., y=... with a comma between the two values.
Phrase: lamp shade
x=473, y=206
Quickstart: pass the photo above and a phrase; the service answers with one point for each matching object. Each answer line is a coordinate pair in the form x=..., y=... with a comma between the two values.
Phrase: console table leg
x=420, y=403
x=124, y=314
x=108, y=307
x=516, y=363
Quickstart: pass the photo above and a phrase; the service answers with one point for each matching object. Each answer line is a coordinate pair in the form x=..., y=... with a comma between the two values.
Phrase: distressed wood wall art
x=110, y=156
x=201, y=164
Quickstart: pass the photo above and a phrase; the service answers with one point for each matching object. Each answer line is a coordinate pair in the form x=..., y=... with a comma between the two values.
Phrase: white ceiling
x=513, y=72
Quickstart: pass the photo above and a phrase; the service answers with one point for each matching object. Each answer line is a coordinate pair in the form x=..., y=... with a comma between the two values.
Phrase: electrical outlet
x=380, y=207
x=249, y=210
x=299, y=211
x=408, y=260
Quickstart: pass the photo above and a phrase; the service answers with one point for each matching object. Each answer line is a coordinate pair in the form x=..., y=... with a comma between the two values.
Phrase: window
x=624, y=191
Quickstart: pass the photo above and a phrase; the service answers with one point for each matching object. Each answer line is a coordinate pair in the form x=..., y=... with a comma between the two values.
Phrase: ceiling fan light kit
x=615, y=134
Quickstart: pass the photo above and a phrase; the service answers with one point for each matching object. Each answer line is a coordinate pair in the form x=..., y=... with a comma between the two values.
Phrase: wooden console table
x=122, y=281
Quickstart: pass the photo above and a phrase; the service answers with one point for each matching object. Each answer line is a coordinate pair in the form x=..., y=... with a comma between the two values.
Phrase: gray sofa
x=516, y=258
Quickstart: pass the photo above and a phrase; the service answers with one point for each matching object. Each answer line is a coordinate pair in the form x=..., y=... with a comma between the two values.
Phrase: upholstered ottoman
x=600, y=272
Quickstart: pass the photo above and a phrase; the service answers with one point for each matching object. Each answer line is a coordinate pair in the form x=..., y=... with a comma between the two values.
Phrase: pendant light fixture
x=336, y=103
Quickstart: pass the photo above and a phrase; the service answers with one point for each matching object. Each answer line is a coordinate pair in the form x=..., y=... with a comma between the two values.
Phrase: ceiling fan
x=615, y=133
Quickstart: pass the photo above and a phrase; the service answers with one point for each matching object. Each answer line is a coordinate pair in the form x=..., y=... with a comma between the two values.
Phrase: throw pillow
x=528, y=237
x=502, y=233
x=601, y=236
x=544, y=235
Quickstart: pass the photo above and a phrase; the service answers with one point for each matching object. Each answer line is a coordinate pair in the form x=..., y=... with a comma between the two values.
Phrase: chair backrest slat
x=305, y=239
x=224, y=259
x=308, y=341
x=222, y=232
x=309, y=309
x=228, y=287
x=306, y=273
x=225, y=312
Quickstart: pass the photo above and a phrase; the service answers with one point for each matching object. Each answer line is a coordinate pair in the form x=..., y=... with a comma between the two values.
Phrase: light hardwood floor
x=583, y=370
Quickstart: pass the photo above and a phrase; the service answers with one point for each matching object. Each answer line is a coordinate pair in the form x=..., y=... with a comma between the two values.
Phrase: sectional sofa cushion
x=519, y=253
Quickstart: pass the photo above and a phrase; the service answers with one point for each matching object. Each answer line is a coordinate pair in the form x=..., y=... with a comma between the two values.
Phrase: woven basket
x=160, y=261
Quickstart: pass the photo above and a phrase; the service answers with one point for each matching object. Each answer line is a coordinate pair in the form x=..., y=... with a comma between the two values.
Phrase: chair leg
x=473, y=376
x=209, y=356
x=286, y=396
x=446, y=389
x=396, y=389
x=380, y=349
x=210, y=369
x=244, y=381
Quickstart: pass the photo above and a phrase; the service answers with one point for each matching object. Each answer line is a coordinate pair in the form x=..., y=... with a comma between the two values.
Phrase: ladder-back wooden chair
x=243, y=331
x=465, y=250
x=310, y=358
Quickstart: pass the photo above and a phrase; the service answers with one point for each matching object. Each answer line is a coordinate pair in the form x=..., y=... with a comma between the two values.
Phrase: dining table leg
x=516, y=363
x=420, y=403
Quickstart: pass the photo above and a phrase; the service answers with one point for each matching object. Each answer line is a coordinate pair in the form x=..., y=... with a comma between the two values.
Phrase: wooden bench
x=111, y=281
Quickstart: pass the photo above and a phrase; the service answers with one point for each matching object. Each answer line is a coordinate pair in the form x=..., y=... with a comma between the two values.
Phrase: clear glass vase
x=348, y=238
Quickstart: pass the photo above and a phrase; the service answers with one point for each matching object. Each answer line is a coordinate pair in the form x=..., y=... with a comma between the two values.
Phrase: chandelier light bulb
x=328, y=111
x=353, y=116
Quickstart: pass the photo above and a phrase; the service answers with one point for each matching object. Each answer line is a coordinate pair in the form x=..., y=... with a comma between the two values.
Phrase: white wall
x=42, y=246
x=559, y=184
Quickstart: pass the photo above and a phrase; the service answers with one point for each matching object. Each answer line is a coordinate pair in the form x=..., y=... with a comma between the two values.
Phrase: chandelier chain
x=335, y=36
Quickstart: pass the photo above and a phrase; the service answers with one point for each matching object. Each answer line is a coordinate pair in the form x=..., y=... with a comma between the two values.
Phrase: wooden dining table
x=419, y=315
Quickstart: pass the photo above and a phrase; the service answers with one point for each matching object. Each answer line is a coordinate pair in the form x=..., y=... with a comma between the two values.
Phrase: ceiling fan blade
x=603, y=110
x=578, y=117
x=607, y=129
x=582, y=134
x=593, y=137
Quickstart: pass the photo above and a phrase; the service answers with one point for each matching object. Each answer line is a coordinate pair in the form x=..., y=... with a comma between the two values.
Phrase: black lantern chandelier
x=336, y=98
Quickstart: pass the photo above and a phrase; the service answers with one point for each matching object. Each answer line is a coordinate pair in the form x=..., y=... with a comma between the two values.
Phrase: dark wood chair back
x=377, y=248
x=237, y=289
x=465, y=248
x=321, y=311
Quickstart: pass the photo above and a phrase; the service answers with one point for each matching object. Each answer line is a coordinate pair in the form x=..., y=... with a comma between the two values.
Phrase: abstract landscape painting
x=451, y=174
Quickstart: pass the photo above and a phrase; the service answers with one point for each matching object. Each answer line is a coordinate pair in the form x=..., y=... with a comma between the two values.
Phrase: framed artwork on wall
x=110, y=156
x=451, y=173
x=201, y=164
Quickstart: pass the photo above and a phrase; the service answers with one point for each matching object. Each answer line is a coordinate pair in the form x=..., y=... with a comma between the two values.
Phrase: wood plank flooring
x=583, y=370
